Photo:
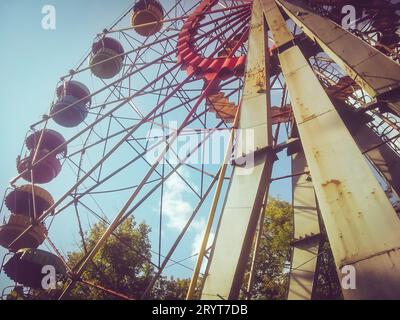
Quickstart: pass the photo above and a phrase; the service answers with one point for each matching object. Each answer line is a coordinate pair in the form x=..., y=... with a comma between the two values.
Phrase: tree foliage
x=122, y=266
x=270, y=280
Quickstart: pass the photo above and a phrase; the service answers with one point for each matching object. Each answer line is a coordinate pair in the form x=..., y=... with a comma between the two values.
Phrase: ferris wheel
x=159, y=73
x=135, y=129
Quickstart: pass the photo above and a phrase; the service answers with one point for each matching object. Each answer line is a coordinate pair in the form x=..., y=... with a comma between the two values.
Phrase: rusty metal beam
x=306, y=231
x=362, y=226
x=248, y=185
x=376, y=73
x=383, y=157
x=278, y=27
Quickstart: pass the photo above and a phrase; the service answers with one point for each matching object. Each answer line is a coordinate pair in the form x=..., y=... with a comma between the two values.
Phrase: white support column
x=249, y=184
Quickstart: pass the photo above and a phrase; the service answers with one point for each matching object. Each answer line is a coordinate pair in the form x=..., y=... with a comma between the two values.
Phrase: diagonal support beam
x=376, y=73
x=249, y=184
x=362, y=226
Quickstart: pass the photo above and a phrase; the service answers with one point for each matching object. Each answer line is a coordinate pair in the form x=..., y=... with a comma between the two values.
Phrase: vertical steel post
x=249, y=184
x=362, y=226
x=306, y=229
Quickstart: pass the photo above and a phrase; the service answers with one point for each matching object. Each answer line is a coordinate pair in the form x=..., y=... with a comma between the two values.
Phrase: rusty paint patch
x=332, y=181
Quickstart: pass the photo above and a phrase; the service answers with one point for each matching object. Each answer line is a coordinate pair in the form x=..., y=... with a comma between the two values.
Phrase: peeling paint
x=332, y=181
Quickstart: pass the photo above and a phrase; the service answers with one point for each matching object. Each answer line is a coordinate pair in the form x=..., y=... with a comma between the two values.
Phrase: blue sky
x=32, y=61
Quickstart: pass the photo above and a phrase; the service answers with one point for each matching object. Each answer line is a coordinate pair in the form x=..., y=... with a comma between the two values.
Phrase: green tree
x=122, y=265
x=270, y=281
x=170, y=289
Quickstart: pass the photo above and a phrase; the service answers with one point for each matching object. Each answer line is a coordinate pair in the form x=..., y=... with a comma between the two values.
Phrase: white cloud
x=175, y=207
x=177, y=210
x=198, y=239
